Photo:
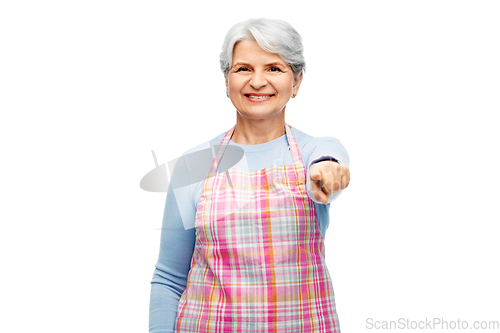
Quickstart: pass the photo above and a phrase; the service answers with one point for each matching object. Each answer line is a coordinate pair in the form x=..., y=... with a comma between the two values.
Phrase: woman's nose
x=258, y=80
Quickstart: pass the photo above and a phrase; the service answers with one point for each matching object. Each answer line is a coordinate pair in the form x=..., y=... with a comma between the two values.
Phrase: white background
x=89, y=88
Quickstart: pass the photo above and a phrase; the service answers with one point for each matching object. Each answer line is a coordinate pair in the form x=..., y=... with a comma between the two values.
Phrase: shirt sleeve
x=174, y=262
x=325, y=148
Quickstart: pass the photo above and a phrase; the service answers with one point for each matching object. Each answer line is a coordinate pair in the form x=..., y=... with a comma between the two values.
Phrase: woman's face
x=259, y=83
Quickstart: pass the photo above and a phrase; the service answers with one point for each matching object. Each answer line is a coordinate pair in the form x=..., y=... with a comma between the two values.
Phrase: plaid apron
x=259, y=260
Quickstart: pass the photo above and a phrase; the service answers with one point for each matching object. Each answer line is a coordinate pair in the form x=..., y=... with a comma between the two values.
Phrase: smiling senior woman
x=248, y=252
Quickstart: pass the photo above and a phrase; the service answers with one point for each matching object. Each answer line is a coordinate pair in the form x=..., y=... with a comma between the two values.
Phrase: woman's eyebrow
x=241, y=63
x=274, y=63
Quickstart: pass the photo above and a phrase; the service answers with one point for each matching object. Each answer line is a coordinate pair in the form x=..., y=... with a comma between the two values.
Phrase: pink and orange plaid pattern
x=259, y=260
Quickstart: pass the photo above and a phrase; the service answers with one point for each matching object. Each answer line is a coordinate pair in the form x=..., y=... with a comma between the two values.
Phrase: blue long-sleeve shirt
x=178, y=234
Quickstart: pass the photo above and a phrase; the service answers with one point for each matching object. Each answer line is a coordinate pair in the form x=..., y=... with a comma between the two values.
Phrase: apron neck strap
x=292, y=144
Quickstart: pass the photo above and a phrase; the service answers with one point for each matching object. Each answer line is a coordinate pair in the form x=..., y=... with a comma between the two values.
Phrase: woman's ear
x=296, y=83
x=226, y=79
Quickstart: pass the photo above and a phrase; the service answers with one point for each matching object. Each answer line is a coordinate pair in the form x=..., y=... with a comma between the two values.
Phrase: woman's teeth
x=251, y=96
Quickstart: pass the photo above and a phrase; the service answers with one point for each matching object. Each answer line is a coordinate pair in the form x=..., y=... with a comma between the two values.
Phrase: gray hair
x=273, y=36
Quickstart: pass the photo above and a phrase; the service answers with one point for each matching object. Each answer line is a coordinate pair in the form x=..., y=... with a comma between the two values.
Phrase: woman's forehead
x=249, y=51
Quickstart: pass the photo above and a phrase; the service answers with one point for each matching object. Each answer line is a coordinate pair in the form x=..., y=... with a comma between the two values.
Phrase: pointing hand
x=327, y=178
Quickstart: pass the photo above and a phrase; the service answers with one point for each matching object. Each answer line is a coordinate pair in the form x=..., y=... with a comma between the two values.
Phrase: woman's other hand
x=327, y=178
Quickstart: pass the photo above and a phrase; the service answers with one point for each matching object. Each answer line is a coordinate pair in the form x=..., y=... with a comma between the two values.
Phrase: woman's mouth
x=258, y=97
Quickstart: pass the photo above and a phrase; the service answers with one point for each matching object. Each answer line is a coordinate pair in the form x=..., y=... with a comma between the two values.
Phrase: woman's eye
x=275, y=69
x=242, y=69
